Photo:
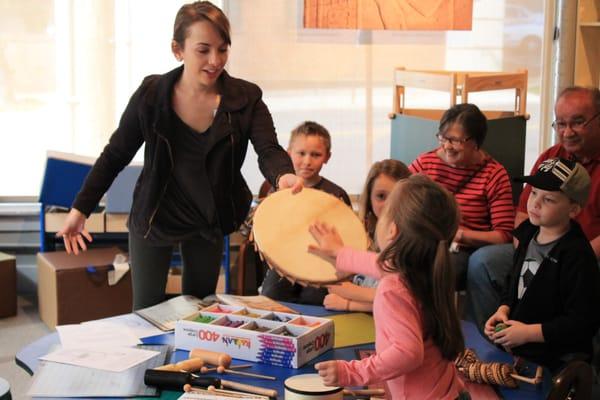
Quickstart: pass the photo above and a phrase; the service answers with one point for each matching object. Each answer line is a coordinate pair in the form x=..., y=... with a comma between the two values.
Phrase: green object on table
x=500, y=326
x=205, y=319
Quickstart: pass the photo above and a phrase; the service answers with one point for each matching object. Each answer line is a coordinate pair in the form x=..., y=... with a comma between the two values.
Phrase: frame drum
x=281, y=234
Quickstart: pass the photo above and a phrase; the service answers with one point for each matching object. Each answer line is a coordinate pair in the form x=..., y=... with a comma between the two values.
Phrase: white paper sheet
x=62, y=380
x=99, y=334
x=106, y=359
x=136, y=324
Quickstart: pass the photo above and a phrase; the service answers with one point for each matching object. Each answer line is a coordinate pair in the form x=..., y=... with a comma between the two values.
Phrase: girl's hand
x=329, y=241
x=292, y=181
x=328, y=370
x=515, y=335
x=73, y=232
x=344, y=289
x=501, y=315
x=336, y=302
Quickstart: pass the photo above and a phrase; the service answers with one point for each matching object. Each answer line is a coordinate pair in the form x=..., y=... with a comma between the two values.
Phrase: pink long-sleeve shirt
x=411, y=366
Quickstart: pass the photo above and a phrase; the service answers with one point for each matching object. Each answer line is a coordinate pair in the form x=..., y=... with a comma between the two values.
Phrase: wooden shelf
x=587, y=50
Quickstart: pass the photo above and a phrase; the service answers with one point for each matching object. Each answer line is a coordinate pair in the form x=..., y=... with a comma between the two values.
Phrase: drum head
x=281, y=233
x=309, y=384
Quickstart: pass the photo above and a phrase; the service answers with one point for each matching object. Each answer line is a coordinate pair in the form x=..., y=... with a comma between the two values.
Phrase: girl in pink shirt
x=418, y=332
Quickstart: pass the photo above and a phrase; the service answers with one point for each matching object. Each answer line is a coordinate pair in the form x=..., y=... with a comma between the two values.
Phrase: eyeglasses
x=453, y=141
x=577, y=124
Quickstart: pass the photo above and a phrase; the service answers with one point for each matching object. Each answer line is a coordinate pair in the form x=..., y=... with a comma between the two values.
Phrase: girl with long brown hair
x=418, y=333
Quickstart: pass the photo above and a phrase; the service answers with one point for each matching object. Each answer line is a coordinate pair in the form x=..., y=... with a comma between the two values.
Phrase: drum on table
x=310, y=387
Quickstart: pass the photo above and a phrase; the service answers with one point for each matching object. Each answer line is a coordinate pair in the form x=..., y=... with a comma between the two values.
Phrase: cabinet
x=587, y=50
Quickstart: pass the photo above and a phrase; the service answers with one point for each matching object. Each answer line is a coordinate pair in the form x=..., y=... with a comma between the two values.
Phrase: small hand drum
x=281, y=233
x=310, y=387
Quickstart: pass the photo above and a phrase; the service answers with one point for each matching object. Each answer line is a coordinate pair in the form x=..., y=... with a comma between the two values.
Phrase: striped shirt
x=485, y=200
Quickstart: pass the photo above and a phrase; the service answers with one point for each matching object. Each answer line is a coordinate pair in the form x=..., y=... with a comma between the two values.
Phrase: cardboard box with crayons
x=282, y=339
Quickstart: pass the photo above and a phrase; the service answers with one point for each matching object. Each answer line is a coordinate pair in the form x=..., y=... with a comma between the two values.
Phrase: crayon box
x=276, y=338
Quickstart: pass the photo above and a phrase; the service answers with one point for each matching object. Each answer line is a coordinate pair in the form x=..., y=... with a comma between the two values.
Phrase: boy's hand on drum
x=329, y=241
x=328, y=370
x=290, y=181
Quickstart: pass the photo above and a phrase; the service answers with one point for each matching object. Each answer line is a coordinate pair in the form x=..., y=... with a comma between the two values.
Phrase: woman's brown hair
x=191, y=13
x=394, y=169
x=426, y=216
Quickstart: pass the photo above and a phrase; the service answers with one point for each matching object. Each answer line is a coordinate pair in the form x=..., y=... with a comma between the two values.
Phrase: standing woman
x=479, y=183
x=196, y=122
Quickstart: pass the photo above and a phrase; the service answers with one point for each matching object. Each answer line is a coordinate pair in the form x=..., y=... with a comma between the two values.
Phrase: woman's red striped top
x=485, y=201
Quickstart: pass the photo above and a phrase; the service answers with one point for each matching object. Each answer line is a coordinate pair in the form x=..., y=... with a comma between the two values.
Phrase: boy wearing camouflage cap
x=550, y=311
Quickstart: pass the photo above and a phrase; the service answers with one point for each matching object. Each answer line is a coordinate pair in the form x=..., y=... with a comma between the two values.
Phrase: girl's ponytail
x=448, y=331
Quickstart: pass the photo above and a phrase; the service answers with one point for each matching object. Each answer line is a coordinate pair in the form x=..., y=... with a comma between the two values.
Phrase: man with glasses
x=577, y=126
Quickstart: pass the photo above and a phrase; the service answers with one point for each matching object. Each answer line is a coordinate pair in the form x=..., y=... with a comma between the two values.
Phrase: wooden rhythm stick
x=230, y=394
x=221, y=370
x=241, y=387
x=214, y=369
x=191, y=365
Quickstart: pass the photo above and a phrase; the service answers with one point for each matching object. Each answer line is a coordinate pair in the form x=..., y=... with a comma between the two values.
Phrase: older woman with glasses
x=479, y=183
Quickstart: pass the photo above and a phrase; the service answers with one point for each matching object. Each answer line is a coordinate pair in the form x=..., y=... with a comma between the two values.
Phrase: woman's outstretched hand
x=290, y=181
x=329, y=241
x=73, y=232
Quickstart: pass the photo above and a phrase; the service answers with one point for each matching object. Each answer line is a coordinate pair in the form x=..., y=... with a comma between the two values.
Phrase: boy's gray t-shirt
x=535, y=255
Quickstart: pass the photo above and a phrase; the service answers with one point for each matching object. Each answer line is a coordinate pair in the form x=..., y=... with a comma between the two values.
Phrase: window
x=67, y=69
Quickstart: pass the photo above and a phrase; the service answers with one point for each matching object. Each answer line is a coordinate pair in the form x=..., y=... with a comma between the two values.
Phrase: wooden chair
x=459, y=84
x=443, y=81
x=574, y=382
x=486, y=81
